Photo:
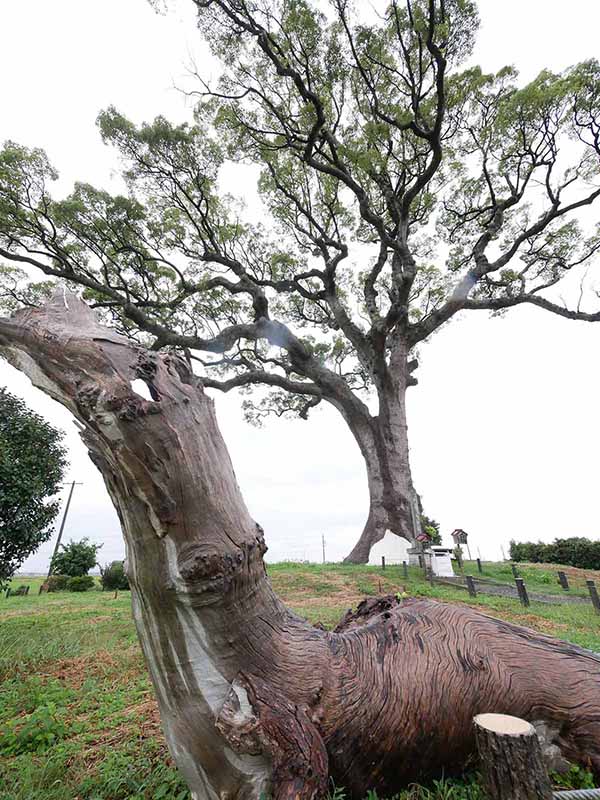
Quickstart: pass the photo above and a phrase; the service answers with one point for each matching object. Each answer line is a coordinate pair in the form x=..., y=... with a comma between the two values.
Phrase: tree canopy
x=32, y=465
x=399, y=187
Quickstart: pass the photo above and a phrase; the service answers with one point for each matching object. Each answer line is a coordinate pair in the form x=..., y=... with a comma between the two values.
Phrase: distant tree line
x=575, y=552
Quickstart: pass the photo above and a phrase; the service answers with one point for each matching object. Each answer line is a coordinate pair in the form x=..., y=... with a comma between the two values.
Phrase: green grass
x=540, y=578
x=77, y=713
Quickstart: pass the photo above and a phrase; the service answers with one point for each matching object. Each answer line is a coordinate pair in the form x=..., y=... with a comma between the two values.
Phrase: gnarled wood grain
x=252, y=698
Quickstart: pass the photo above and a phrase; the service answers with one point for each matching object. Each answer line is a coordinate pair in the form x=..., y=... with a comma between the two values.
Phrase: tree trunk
x=253, y=699
x=383, y=441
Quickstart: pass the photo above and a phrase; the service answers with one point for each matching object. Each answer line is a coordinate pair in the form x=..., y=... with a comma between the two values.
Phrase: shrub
x=80, y=583
x=57, y=583
x=76, y=558
x=431, y=528
x=114, y=577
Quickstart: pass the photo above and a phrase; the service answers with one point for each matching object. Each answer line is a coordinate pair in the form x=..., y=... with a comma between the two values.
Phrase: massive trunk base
x=383, y=441
x=253, y=699
x=379, y=521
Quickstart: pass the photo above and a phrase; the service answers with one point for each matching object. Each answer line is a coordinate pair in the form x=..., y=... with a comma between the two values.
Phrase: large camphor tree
x=399, y=187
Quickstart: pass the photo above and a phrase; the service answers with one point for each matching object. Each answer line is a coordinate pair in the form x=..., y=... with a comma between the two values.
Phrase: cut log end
x=504, y=724
x=512, y=764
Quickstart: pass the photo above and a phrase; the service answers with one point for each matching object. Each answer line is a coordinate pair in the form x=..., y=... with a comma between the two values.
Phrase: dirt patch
x=16, y=613
x=343, y=594
x=340, y=600
x=340, y=591
x=74, y=671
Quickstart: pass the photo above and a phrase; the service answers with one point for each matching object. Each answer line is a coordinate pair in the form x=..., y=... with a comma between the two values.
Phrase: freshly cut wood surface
x=505, y=724
x=512, y=765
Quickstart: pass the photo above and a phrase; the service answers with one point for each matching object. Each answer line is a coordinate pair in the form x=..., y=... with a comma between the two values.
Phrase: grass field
x=78, y=719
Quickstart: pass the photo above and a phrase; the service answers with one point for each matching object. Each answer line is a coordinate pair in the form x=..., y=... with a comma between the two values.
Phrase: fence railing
x=473, y=585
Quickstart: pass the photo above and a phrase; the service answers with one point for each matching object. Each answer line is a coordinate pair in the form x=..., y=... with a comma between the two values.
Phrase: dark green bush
x=57, y=583
x=76, y=558
x=80, y=583
x=114, y=577
x=575, y=552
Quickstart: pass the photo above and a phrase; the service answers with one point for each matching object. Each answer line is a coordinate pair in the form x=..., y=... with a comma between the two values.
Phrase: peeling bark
x=253, y=699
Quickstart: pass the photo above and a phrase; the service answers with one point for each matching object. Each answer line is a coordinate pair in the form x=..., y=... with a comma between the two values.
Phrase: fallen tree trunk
x=252, y=698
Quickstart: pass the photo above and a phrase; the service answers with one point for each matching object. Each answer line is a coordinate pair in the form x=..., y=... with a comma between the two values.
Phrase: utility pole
x=323, y=544
x=62, y=525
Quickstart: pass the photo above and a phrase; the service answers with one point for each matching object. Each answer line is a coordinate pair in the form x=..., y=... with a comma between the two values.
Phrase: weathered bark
x=383, y=441
x=253, y=699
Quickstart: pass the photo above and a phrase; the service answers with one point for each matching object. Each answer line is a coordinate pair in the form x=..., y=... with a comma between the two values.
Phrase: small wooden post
x=27, y=591
x=382, y=562
x=512, y=765
x=405, y=569
x=471, y=586
x=421, y=563
x=116, y=594
x=522, y=590
x=594, y=595
x=8, y=591
x=431, y=576
x=459, y=558
x=514, y=571
x=479, y=567
x=563, y=580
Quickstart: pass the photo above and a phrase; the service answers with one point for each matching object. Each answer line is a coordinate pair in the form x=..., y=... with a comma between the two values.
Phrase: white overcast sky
x=504, y=424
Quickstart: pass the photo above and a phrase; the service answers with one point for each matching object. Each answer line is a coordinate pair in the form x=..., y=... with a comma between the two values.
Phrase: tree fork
x=253, y=699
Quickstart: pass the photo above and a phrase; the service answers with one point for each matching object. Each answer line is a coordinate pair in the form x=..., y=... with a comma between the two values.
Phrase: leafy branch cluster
x=398, y=189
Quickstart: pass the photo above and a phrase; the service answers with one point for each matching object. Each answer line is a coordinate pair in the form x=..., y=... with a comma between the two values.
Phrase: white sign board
x=441, y=562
